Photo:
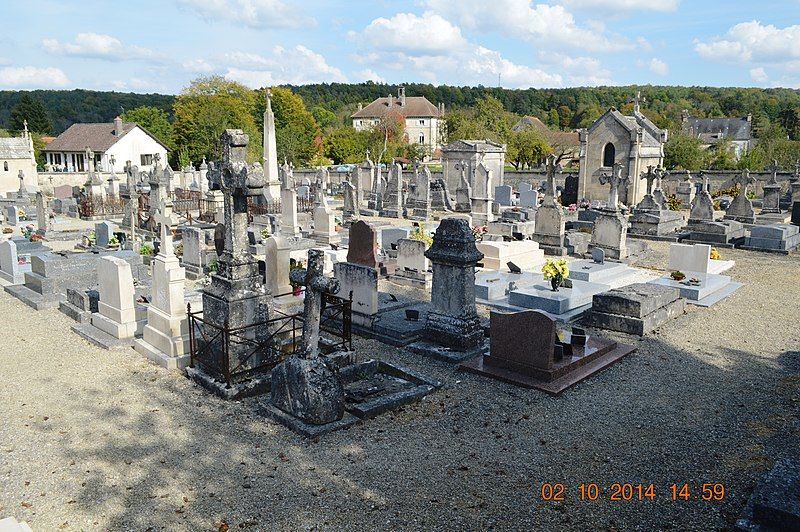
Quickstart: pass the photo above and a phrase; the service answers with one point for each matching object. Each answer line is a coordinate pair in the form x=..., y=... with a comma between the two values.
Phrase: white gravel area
x=98, y=440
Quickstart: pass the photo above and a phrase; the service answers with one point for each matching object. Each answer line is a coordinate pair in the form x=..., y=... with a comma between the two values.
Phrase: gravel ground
x=103, y=440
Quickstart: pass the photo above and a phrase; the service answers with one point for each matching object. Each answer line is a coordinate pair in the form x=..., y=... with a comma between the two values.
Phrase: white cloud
x=256, y=14
x=658, y=66
x=541, y=23
x=133, y=84
x=753, y=42
x=369, y=75
x=296, y=65
x=759, y=75
x=98, y=46
x=626, y=5
x=33, y=77
x=579, y=71
x=485, y=63
x=409, y=33
x=197, y=66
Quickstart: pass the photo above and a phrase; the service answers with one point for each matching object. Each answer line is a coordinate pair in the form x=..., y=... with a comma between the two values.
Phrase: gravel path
x=103, y=440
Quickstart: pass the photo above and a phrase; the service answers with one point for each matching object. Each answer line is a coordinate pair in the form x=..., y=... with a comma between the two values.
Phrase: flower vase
x=296, y=290
x=555, y=283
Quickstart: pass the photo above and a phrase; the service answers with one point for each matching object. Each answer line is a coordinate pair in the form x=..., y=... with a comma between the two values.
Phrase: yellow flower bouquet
x=556, y=270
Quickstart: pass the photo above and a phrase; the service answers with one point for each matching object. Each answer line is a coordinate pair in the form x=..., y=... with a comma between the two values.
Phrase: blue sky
x=161, y=45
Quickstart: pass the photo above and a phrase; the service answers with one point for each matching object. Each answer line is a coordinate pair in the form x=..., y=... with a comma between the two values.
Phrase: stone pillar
x=453, y=320
x=289, y=223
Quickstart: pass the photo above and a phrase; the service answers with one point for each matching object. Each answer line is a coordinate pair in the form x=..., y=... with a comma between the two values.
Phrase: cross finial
x=650, y=176
x=637, y=100
x=166, y=219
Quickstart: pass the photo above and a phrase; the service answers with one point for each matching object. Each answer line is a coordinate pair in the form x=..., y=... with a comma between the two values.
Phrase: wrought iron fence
x=265, y=343
x=90, y=205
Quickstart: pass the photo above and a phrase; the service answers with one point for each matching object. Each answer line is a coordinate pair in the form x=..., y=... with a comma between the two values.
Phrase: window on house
x=5, y=166
x=422, y=138
x=359, y=123
x=146, y=159
x=422, y=121
x=608, y=155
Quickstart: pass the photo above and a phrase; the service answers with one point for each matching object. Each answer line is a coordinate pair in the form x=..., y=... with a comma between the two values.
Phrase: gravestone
x=772, y=192
x=452, y=327
x=276, y=256
x=116, y=310
x=9, y=263
x=303, y=385
x=12, y=215
x=193, y=259
x=350, y=210
x=503, y=195
x=529, y=198
x=440, y=196
x=464, y=189
x=62, y=191
x=649, y=217
x=412, y=265
x=549, y=222
x=324, y=221
x=363, y=245
x=658, y=192
x=304, y=191
x=689, y=258
x=796, y=213
x=418, y=205
x=703, y=207
x=610, y=228
x=598, y=255
x=236, y=297
x=393, y=199
x=165, y=338
x=635, y=309
x=527, y=350
x=569, y=196
x=741, y=208
x=481, y=198
x=686, y=190
x=774, y=237
x=775, y=502
x=289, y=223
x=42, y=214
x=391, y=235
x=103, y=231
x=361, y=284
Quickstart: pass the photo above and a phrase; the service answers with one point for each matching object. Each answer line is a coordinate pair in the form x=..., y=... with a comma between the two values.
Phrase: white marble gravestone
x=116, y=309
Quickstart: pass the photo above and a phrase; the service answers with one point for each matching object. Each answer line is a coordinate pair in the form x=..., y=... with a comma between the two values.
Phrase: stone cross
x=773, y=170
x=550, y=190
x=237, y=181
x=704, y=177
x=317, y=285
x=21, y=177
x=615, y=180
x=462, y=166
x=167, y=219
x=111, y=161
x=650, y=176
x=637, y=100
x=660, y=174
x=743, y=180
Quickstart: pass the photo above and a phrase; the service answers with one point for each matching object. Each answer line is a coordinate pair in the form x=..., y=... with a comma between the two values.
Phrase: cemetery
x=234, y=333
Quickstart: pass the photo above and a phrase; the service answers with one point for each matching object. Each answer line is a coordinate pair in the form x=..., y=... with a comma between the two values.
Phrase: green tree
x=154, y=120
x=345, y=145
x=526, y=148
x=31, y=109
x=207, y=107
x=325, y=119
x=683, y=151
x=721, y=156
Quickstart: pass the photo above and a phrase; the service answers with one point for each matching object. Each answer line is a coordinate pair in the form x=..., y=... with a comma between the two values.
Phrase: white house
x=112, y=144
x=16, y=154
x=421, y=117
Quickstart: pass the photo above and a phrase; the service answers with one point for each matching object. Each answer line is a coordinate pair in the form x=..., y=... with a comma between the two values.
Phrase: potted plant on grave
x=146, y=250
x=556, y=270
x=297, y=288
x=27, y=231
x=715, y=254
x=419, y=233
x=7, y=230
x=338, y=224
x=478, y=232
x=113, y=242
x=678, y=275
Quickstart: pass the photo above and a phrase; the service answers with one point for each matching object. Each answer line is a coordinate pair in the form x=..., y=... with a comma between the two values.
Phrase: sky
x=161, y=45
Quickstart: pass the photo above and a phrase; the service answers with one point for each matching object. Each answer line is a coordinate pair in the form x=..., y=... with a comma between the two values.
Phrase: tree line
x=314, y=127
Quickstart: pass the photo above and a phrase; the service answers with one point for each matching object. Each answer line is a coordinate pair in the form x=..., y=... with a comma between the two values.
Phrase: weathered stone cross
x=317, y=285
x=660, y=174
x=89, y=159
x=236, y=181
x=704, y=177
x=743, y=180
x=167, y=219
x=615, y=180
x=550, y=189
x=773, y=170
x=650, y=176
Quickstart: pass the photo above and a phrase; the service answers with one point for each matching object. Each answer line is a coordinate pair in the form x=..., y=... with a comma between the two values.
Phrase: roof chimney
x=749, y=117
x=117, y=127
x=360, y=106
x=389, y=101
x=401, y=95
